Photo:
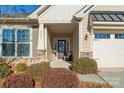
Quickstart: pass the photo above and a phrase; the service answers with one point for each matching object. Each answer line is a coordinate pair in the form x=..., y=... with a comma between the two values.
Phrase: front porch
x=62, y=41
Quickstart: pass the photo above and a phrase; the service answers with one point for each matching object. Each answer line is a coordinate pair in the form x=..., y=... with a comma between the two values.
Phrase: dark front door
x=62, y=46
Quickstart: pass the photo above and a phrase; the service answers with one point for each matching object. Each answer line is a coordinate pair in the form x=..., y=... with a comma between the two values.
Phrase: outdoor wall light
x=86, y=37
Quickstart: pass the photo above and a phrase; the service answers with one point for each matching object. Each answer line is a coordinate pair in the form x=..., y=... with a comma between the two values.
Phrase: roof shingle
x=114, y=16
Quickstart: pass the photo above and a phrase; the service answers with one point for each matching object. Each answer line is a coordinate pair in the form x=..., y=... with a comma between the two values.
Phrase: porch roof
x=17, y=19
x=106, y=20
x=107, y=16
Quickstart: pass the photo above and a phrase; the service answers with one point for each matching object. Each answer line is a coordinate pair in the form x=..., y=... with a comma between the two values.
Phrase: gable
x=60, y=13
x=34, y=15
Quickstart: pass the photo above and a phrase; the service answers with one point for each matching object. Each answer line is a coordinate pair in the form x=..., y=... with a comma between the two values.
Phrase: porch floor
x=60, y=64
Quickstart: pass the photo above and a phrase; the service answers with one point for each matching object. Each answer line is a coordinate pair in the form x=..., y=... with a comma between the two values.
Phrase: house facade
x=65, y=32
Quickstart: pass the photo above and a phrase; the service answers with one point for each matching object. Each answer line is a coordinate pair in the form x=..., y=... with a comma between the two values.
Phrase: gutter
x=78, y=16
x=107, y=23
x=83, y=10
x=43, y=9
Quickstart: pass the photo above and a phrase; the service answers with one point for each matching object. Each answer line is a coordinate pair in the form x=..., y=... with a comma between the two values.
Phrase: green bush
x=5, y=70
x=21, y=67
x=37, y=70
x=84, y=66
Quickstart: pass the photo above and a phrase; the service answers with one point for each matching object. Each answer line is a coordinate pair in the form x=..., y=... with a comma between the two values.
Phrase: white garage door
x=108, y=50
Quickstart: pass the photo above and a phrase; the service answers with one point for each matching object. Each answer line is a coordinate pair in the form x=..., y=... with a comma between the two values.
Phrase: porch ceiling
x=61, y=28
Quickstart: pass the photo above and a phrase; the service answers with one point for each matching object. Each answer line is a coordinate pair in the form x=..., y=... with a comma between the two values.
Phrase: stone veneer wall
x=87, y=54
x=40, y=53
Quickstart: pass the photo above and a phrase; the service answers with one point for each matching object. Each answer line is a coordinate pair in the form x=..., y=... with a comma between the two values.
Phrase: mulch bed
x=94, y=85
x=37, y=84
x=85, y=85
x=1, y=82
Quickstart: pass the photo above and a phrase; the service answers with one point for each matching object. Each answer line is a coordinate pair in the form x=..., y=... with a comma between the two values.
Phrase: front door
x=62, y=47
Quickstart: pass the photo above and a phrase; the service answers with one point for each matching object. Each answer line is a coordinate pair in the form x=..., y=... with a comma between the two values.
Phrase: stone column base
x=87, y=54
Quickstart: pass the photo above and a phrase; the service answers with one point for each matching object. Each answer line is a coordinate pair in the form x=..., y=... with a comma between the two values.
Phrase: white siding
x=35, y=41
x=108, y=8
x=59, y=13
x=86, y=44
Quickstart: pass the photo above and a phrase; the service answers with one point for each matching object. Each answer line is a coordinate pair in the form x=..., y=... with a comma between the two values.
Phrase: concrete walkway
x=82, y=77
x=114, y=77
x=90, y=78
x=60, y=64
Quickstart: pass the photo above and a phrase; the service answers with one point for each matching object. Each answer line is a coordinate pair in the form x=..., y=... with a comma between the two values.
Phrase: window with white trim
x=15, y=42
x=102, y=36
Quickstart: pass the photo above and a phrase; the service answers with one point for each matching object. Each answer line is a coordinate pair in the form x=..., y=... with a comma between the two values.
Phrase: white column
x=1, y=42
x=45, y=37
x=45, y=40
x=80, y=38
x=41, y=37
x=31, y=42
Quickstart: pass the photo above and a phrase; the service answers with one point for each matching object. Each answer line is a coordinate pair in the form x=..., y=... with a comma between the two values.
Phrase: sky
x=17, y=9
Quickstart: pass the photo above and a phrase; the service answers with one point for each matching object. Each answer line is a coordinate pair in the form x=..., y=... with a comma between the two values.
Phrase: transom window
x=119, y=36
x=102, y=36
x=16, y=42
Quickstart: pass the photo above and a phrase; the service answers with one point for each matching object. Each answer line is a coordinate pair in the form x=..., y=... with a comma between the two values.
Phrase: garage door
x=108, y=49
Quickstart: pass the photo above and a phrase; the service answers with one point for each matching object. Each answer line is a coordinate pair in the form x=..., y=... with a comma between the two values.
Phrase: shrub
x=85, y=66
x=36, y=70
x=19, y=81
x=59, y=78
x=21, y=67
x=5, y=70
x=70, y=67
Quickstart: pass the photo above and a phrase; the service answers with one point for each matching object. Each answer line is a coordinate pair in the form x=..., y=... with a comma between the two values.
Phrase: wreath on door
x=61, y=44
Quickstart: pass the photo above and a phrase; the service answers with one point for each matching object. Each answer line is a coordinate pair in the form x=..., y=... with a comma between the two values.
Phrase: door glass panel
x=62, y=46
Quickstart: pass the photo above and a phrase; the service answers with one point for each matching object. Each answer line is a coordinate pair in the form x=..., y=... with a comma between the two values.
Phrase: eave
x=19, y=21
x=108, y=25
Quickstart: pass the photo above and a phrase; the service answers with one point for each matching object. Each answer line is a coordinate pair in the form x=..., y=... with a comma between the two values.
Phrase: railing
x=35, y=60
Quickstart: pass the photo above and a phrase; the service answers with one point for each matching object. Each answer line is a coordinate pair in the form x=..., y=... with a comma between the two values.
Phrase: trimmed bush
x=19, y=81
x=85, y=66
x=59, y=78
x=36, y=70
x=70, y=67
x=5, y=70
x=21, y=67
